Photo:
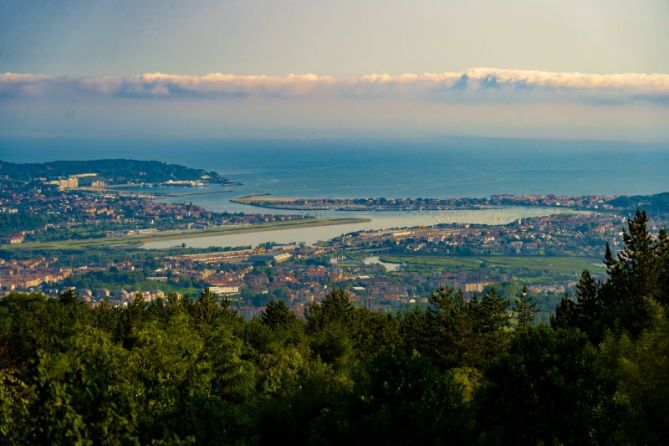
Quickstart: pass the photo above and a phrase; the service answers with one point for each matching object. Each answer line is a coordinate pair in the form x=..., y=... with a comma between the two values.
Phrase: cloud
x=474, y=85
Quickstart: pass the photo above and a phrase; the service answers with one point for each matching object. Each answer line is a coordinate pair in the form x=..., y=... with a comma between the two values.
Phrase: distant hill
x=653, y=204
x=112, y=170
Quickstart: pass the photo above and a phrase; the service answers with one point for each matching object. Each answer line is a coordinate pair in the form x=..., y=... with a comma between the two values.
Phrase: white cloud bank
x=474, y=85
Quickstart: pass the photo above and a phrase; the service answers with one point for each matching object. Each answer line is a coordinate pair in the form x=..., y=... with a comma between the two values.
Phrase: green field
x=133, y=241
x=513, y=264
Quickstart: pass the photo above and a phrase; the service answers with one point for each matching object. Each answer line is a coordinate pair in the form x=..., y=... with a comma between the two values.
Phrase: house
x=16, y=238
x=224, y=290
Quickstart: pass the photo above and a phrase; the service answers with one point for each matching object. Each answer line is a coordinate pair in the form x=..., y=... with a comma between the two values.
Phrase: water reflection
x=379, y=220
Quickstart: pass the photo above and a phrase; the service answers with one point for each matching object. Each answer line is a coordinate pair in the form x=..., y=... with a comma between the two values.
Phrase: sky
x=587, y=69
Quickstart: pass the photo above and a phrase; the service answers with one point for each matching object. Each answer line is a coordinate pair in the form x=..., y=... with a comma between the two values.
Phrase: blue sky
x=528, y=68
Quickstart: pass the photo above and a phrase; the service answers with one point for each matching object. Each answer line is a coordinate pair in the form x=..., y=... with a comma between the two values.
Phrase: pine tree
x=609, y=261
x=69, y=296
x=663, y=256
x=588, y=306
x=277, y=314
x=526, y=310
x=565, y=314
x=638, y=258
x=336, y=308
x=207, y=307
x=634, y=276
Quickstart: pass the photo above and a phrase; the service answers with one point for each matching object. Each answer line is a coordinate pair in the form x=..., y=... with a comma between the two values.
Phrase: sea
x=446, y=167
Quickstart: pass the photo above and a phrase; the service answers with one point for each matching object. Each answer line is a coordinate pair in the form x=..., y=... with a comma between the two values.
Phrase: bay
x=378, y=220
x=446, y=167
x=437, y=168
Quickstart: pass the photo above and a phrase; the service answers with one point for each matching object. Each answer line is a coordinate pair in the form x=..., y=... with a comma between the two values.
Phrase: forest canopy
x=463, y=370
x=113, y=170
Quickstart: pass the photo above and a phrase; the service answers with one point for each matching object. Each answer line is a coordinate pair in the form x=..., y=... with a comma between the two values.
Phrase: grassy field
x=137, y=240
x=514, y=264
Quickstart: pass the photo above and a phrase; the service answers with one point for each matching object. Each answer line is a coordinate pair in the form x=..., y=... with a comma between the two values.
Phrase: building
x=269, y=257
x=476, y=287
x=16, y=239
x=224, y=290
x=69, y=183
x=216, y=257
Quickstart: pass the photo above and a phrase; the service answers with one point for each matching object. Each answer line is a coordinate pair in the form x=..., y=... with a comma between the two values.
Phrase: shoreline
x=266, y=227
x=267, y=201
x=139, y=240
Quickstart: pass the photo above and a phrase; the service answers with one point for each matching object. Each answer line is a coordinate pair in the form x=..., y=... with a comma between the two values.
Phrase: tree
x=588, y=307
x=16, y=398
x=633, y=278
x=663, y=254
x=336, y=308
x=565, y=314
x=526, y=310
x=638, y=259
x=277, y=314
x=440, y=331
x=170, y=365
x=84, y=392
x=295, y=391
x=397, y=399
x=636, y=280
x=549, y=388
x=641, y=367
x=68, y=297
x=490, y=321
x=454, y=332
x=207, y=307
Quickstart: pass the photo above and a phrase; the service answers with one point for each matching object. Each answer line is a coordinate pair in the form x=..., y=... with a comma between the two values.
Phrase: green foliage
x=642, y=372
x=397, y=399
x=457, y=332
x=134, y=280
x=336, y=309
x=277, y=314
x=84, y=395
x=22, y=221
x=565, y=314
x=548, y=389
x=636, y=282
x=116, y=170
x=658, y=203
x=526, y=310
x=462, y=370
x=16, y=398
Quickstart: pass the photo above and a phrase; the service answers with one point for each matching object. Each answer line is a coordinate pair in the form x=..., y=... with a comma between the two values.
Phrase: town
x=386, y=270
x=39, y=210
x=588, y=202
x=78, y=232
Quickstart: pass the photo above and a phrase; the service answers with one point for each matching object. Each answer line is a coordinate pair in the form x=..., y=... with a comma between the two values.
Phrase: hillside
x=458, y=370
x=658, y=203
x=112, y=170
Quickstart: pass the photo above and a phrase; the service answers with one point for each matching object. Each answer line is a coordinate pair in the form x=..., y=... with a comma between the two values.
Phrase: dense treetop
x=113, y=170
x=658, y=203
x=459, y=371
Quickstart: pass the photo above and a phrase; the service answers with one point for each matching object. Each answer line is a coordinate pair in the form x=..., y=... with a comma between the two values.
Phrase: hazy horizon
x=296, y=69
x=456, y=167
x=41, y=149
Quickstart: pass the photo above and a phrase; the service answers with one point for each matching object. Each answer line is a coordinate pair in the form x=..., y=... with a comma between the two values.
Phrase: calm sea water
x=435, y=168
x=341, y=168
x=378, y=220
